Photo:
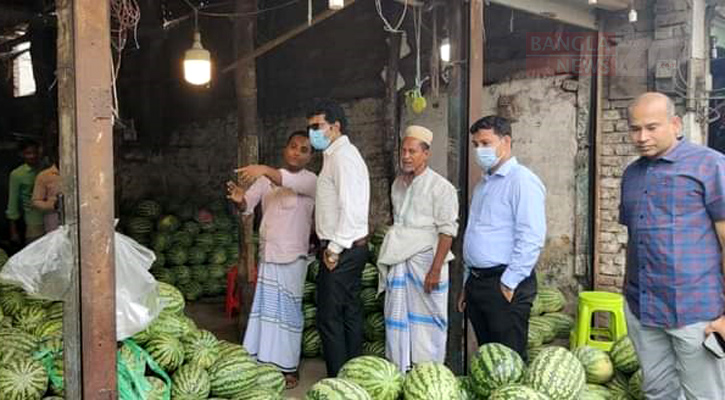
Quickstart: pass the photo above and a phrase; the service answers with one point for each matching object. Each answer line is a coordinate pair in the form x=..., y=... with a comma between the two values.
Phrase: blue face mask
x=318, y=140
x=486, y=157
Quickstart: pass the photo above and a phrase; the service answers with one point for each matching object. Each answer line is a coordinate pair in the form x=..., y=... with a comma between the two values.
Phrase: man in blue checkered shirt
x=673, y=204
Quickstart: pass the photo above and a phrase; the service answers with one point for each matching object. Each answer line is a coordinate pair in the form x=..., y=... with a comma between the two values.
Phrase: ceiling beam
x=562, y=11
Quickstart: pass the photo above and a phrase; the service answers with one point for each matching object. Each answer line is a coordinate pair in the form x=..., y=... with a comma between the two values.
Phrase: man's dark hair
x=332, y=112
x=294, y=134
x=27, y=143
x=500, y=125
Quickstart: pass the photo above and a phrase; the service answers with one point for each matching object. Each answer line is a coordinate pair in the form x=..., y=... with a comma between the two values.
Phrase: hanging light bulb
x=197, y=60
x=632, y=15
x=592, y=2
x=336, y=4
x=446, y=50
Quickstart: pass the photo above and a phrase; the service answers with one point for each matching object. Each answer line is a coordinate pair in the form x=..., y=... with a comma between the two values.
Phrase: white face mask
x=486, y=157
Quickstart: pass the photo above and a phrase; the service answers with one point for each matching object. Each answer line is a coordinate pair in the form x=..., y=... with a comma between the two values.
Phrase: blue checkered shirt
x=674, y=261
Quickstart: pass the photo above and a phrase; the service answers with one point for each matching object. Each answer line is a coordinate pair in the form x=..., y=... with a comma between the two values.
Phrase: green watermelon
x=551, y=298
x=167, y=351
x=165, y=275
x=232, y=376
x=312, y=270
x=157, y=388
x=218, y=256
x=232, y=251
x=311, y=343
x=200, y=348
x=545, y=327
x=535, y=338
x=52, y=345
x=378, y=376
x=160, y=260
x=132, y=359
x=55, y=310
x=205, y=241
x=192, y=290
x=191, y=227
x=169, y=324
x=148, y=209
x=635, y=386
x=595, y=392
x=597, y=364
x=177, y=256
x=309, y=292
x=309, y=312
x=369, y=278
x=17, y=340
x=379, y=235
x=229, y=349
x=556, y=373
x=222, y=221
x=563, y=323
x=199, y=274
x=168, y=223
x=160, y=241
x=336, y=389
x=222, y=239
x=49, y=328
x=494, y=366
x=183, y=275
x=517, y=392
x=269, y=377
x=171, y=298
x=537, y=308
x=3, y=258
x=139, y=226
x=182, y=239
x=623, y=355
x=465, y=383
x=376, y=348
x=375, y=326
x=12, y=301
x=196, y=256
x=22, y=378
x=190, y=382
x=219, y=271
x=618, y=384
x=56, y=377
x=29, y=318
x=429, y=381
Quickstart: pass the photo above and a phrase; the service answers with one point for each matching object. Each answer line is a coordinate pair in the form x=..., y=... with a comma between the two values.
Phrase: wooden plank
x=245, y=79
x=596, y=203
x=390, y=106
x=276, y=42
x=68, y=170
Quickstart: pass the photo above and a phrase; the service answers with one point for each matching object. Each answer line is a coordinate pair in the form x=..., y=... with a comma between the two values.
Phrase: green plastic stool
x=584, y=333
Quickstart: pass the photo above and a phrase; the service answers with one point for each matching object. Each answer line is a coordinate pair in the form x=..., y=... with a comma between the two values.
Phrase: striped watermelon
x=309, y=312
x=169, y=324
x=190, y=382
x=312, y=270
x=52, y=345
x=22, y=378
x=177, y=256
x=196, y=256
x=308, y=294
x=132, y=359
x=205, y=241
x=192, y=290
x=311, y=343
x=563, y=323
x=168, y=223
x=229, y=349
x=378, y=376
x=465, y=384
x=29, y=318
x=222, y=239
x=56, y=377
x=546, y=328
x=182, y=239
x=596, y=392
x=374, y=348
x=200, y=348
x=157, y=388
x=370, y=301
x=269, y=377
x=552, y=299
x=218, y=256
x=183, y=275
x=430, y=381
x=171, y=299
x=139, y=226
x=160, y=242
x=623, y=355
x=167, y=351
x=336, y=389
x=3, y=258
x=517, y=392
x=618, y=384
x=199, y=274
x=597, y=364
x=369, y=278
x=375, y=326
x=55, y=310
x=556, y=373
x=165, y=275
x=535, y=338
x=160, y=260
x=537, y=308
x=218, y=271
x=12, y=301
x=191, y=227
x=17, y=340
x=635, y=386
x=494, y=366
x=259, y=393
x=148, y=209
x=222, y=221
x=232, y=251
x=232, y=376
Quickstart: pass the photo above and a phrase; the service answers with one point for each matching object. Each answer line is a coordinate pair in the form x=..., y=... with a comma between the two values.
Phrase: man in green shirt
x=20, y=193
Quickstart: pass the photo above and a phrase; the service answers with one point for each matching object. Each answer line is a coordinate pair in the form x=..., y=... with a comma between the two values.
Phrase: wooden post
x=596, y=204
x=390, y=105
x=84, y=79
x=245, y=79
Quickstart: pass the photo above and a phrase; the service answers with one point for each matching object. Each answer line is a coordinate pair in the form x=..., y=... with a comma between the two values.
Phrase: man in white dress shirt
x=415, y=255
x=341, y=220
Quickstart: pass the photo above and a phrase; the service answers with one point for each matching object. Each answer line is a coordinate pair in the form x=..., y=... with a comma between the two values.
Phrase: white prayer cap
x=418, y=132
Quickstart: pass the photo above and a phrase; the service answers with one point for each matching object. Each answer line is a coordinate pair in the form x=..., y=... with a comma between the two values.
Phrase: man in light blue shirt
x=504, y=236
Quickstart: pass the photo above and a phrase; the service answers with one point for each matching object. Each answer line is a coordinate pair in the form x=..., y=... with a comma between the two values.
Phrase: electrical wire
x=247, y=14
x=388, y=27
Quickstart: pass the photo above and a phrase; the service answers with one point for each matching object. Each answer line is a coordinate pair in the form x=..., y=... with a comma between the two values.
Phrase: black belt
x=488, y=272
x=362, y=242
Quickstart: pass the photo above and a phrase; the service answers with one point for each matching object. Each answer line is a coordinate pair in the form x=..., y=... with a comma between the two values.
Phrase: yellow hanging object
x=419, y=104
x=415, y=100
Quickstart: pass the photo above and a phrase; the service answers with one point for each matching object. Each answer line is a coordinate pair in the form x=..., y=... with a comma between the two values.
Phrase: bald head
x=653, y=125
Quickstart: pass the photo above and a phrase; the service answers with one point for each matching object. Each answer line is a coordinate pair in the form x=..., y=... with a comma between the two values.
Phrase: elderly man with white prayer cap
x=415, y=254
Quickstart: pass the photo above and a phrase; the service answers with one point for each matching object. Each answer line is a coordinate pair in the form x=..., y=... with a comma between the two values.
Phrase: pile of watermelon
x=194, y=246
x=372, y=303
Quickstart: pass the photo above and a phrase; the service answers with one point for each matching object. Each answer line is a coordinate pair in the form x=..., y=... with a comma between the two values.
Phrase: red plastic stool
x=233, y=302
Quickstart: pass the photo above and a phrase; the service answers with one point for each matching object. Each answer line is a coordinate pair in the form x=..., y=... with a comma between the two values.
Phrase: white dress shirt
x=342, y=198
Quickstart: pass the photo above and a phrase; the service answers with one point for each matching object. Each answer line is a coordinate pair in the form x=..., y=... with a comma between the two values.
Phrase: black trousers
x=339, y=310
x=493, y=318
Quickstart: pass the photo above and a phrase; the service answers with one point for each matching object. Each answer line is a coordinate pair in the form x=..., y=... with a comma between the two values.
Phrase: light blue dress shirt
x=507, y=223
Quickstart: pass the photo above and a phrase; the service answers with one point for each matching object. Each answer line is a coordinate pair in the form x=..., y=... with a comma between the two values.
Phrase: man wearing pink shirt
x=274, y=330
